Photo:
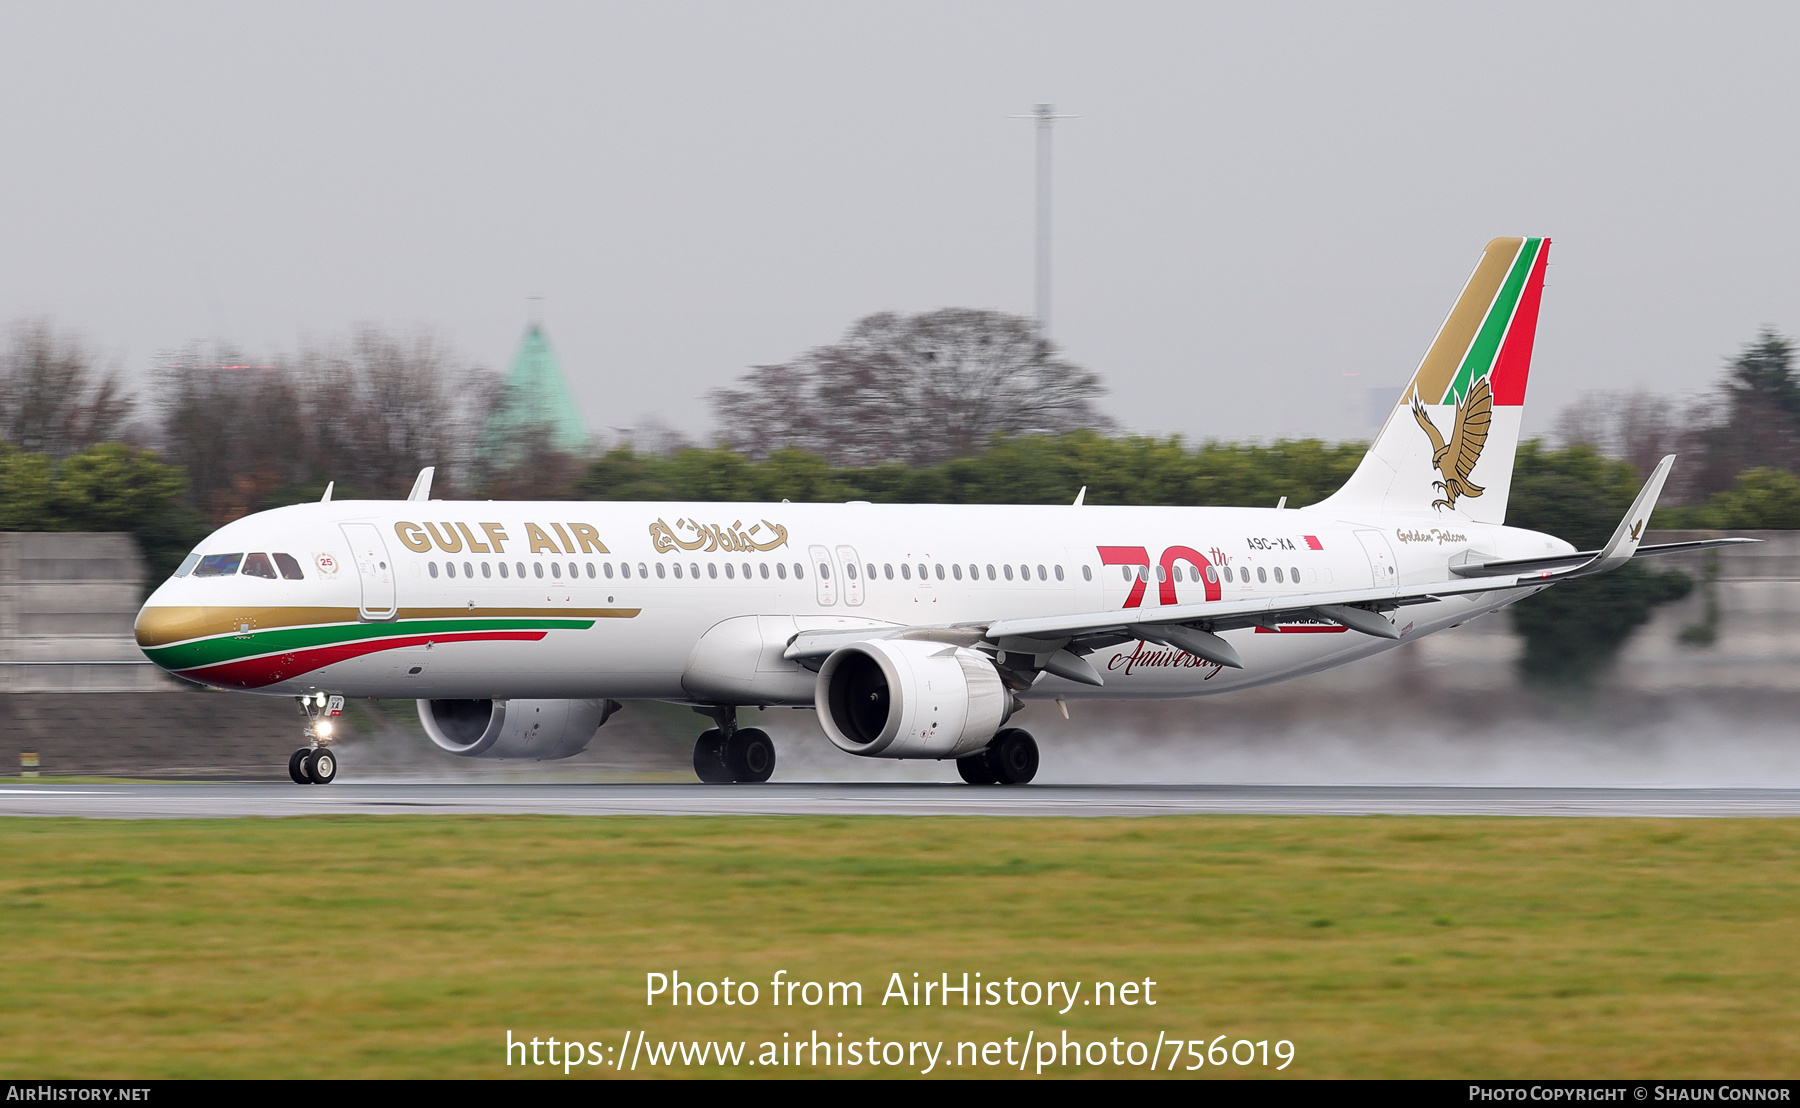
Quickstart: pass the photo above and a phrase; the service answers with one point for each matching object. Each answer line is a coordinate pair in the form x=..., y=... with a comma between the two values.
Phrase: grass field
x=410, y=945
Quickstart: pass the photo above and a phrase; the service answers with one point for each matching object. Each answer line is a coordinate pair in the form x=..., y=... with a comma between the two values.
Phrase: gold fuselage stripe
x=160, y=626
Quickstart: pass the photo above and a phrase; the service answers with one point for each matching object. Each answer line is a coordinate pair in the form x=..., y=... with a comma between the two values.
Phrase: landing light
x=323, y=727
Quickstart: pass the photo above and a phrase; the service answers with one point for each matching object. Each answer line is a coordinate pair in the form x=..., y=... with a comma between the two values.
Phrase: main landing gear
x=1010, y=759
x=729, y=753
x=315, y=763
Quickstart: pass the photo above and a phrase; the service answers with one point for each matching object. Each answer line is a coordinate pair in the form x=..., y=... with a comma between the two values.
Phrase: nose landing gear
x=729, y=753
x=315, y=763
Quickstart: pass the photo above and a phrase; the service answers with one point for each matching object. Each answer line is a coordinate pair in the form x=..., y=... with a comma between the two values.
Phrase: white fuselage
x=693, y=602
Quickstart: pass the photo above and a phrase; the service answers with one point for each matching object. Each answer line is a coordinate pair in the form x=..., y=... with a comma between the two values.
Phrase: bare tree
x=912, y=389
x=52, y=398
x=367, y=413
x=381, y=408
x=1638, y=426
x=239, y=428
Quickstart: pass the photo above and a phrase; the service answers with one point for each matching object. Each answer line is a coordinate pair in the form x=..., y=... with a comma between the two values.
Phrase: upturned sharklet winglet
x=1448, y=445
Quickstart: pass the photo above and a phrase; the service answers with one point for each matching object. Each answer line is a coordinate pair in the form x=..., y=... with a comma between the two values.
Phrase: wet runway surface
x=187, y=801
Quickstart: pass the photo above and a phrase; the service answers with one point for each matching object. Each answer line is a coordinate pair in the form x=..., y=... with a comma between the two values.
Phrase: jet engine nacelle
x=540, y=729
x=906, y=698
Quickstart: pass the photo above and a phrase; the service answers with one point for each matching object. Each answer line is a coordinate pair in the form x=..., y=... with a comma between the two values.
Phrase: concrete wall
x=67, y=601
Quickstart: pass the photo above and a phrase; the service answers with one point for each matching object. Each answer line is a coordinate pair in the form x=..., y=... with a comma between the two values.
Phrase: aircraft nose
x=158, y=626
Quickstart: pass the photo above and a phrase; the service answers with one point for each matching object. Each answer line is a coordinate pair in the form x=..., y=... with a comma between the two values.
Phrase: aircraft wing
x=1057, y=643
x=1568, y=561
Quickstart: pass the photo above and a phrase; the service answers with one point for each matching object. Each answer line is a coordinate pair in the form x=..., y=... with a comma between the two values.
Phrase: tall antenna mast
x=1046, y=117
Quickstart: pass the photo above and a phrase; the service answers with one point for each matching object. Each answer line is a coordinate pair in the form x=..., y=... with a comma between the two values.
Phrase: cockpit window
x=290, y=568
x=257, y=565
x=218, y=565
x=187, y=564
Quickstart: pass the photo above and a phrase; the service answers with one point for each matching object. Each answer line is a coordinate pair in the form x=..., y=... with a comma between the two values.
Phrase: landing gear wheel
x=1014, y=756
x=977, y=770
x=709, y=758
x=321, y=766
x=750, y=755
x=297, y=766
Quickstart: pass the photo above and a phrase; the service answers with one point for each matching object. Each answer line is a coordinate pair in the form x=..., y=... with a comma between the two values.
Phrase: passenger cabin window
x=870, y=567
x=781, y=570
x=1008, y=569
x=974, y=572
x=503, y=569
x=431, y=568
x=1042, y=576
x=694, y=570
x=187, y=564
x=218, y=565
x=712, y=570
x=956, y=571
x=1294, y=574
x=1087, y=573
x=940, y=571
x=729, y=572
x=1059, y=573
x=764, y=569
x=537, y=569
x=1278, y=575
x=1262, y=575
x=990, y=571
x=660, y=571
x=888, y=570
x=520, y=567
x=449, y=569
x=258, y=565
x=799, y=571
x=906, y=571
x=1212, y=576
x=290, y=569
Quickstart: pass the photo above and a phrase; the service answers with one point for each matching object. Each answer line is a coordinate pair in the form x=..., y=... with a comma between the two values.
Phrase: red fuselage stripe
x=254, y=673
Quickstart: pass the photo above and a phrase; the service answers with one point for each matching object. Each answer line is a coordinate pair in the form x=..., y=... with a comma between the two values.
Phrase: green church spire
x=536, y=408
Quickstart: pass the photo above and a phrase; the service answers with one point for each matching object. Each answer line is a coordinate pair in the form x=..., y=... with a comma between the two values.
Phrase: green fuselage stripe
x=228, y=648
x=1480, y=359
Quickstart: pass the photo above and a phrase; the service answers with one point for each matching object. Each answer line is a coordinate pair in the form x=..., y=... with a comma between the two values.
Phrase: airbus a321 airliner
x=915, y=631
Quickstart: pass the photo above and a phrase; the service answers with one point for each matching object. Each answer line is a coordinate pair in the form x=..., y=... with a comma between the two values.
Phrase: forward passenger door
x=373, y=569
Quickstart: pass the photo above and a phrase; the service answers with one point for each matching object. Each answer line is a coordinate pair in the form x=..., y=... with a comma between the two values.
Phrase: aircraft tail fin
x=1448, y=445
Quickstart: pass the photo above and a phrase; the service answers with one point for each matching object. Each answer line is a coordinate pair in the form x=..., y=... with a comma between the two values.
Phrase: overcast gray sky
x=1256, y=202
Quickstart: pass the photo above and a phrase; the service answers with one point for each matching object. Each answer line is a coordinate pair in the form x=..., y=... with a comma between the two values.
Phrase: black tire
x=750, y=755
x=709, y=758
x=977, y=770
x=1014, y=756
x=321, y=766
x=297, y=766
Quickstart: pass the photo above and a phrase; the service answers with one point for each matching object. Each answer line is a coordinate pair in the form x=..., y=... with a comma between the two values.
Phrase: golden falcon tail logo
x=1456, y=459
x=1635, y=528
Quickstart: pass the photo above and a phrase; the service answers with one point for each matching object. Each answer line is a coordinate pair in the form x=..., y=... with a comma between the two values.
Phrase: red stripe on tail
x=1514, y=364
